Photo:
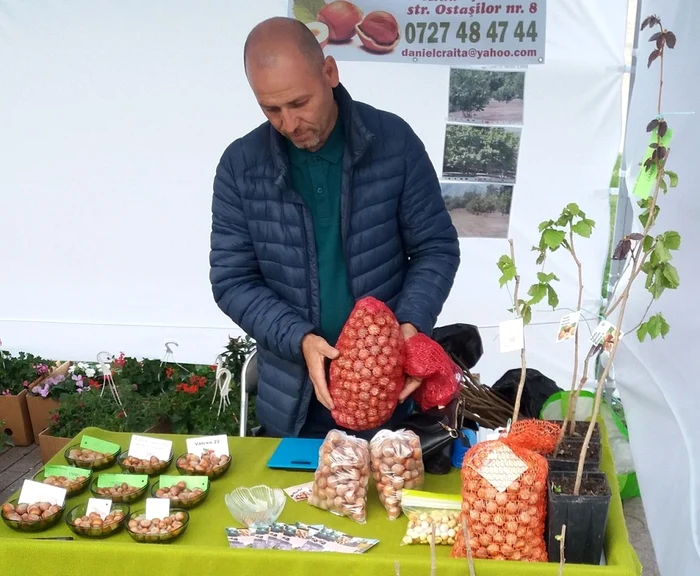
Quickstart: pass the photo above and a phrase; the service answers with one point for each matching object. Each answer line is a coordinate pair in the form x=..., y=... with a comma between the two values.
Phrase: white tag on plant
x=99, y=506
x=219, y=444
x=604, y=335
x=511, y=335
x=568, y=326
x=33, y=492
x=157, y=508
x=144, y=448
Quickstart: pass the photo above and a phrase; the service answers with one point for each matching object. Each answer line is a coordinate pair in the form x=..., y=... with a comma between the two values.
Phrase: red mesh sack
x=504, y=495
x=426, y=359
x=367, y=377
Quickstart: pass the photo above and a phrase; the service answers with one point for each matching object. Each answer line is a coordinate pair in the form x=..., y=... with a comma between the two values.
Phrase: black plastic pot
x=585, y=516
x=569, y=463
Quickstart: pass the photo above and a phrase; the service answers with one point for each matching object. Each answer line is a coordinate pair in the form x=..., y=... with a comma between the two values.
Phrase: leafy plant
x=497, y=198
x=18, y=372
x=472, y=90
x=148, y=376
x=472, y=151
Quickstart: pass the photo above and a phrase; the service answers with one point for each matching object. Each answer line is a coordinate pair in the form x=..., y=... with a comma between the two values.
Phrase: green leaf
x=573, y=208
x=544, y=278
x=307, y=10
x=661, y=252
x=552, y=297
x=505, y=265
x=672, y=240
x=544, y=225
x=541, y=258
x=563, y=220
x=642, y=331
x=526, y=313
x=582, y=229
x=673, y=178
x=670, y=274
x=664, y=327
x=653, y=327
x=663, y=186
x=648, y=244
x=553, y=238
x=537, y=292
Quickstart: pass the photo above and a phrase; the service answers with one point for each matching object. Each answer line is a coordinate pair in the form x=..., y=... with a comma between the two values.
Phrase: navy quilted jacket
x=400, y=245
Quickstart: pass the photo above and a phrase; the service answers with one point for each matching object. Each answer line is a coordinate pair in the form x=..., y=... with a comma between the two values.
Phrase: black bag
x=537, y=389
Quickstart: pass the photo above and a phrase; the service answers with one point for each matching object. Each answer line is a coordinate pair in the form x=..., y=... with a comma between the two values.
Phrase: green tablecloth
x=203, y=549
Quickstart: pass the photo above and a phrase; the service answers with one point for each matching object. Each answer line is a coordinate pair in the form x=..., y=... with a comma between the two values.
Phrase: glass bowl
x=140, y=516
x=149, y=470
x=73, y=488
x=186, y=503
x=212, y=474
x=256, y=506
x=103, y=531
x=26, y=526
x=95, y=464
x=126, y=498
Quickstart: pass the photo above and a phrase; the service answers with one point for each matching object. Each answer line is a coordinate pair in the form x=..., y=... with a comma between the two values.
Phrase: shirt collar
x=331, y=151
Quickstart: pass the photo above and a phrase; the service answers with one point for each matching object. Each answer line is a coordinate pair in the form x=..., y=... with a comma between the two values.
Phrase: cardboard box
x=39, y=407
x=14, y=411
x=49, y=445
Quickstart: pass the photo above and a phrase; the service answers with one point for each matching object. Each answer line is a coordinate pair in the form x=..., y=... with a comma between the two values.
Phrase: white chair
x=249, y=387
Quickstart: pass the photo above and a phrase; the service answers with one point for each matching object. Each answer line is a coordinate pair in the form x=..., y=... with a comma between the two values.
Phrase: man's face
x=296, y=98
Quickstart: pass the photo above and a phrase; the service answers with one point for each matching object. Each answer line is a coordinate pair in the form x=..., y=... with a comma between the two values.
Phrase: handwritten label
x=33, y=492
x=568, y=326
x=157, y=508
x=110, y=480
x=69, y=472
x=219, y=444
x=511, y=335
x=144, y=448
x=90, y=443
x=99, y=506
x=192, y=482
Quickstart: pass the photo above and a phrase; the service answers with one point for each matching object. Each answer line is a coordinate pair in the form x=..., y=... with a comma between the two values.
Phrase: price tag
x=98, y=505
x=90, y=443
x=144, y=448
x=219, y=444
x=157, y=508
x=192, y=482
x=568, y=326
x=69, y=472
x=511, y=335
x=110, y=480
x=33, y=492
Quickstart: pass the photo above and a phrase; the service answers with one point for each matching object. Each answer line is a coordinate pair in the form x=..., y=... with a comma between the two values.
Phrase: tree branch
x=516, y=304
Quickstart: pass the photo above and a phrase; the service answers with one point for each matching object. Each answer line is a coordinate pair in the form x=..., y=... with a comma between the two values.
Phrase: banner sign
x=449, y=32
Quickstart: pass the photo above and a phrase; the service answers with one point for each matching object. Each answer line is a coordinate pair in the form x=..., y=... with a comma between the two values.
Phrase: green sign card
x=647, y=178
x=191, y=482
x=98, y=445
x=69, y=472
x=110, y=480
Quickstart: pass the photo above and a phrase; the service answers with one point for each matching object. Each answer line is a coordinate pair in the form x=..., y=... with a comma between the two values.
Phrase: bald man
x=328, y=201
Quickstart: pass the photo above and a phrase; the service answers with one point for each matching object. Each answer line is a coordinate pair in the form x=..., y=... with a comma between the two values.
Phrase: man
x=328, y=201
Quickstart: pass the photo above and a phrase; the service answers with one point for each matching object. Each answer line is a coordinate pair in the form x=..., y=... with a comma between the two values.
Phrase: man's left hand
x=411, y=384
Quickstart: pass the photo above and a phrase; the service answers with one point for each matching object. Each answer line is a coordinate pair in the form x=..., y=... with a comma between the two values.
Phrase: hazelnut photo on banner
x=486, y=97
x=478, y=210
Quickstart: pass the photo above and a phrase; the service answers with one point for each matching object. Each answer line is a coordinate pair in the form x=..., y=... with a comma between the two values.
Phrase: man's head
x=292, y=80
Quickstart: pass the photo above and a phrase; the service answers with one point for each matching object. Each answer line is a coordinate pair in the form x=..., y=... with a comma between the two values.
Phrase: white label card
x=604, y=335
x=568, y=326
x=157, y=508
x=501, y=467
x=144, y=448
x=100, y=506
x=219, y=444
x=511, y=335
x=33, y=492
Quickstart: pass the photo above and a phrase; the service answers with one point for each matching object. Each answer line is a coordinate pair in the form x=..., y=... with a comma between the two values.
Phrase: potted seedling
x=580, y=500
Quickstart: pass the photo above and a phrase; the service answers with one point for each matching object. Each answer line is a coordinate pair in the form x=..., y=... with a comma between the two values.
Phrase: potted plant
x=17, y=373
x=580, y=500
x=44, y=396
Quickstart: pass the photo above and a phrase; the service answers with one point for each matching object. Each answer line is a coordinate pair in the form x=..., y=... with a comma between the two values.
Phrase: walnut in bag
x=397, y=464
x=341, y=479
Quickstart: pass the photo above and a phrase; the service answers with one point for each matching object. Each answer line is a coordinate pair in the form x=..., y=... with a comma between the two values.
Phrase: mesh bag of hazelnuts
x=341, y=479
x=397, y=464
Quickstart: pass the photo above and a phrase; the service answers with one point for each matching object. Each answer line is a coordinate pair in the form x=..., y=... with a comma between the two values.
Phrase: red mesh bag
x=367, y=377
x=504, y=494
x=426, y=359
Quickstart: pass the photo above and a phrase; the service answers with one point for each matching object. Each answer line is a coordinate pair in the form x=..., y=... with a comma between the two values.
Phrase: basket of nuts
x=120, y=487
x=206, y=464
x=31, y=517
x=91, y=459
x=93, y=525
x=150, y=467
x=182, y=492
x=74, y=480
x=157, y=530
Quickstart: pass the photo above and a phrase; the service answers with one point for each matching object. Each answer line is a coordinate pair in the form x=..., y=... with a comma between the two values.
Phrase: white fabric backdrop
x=657, y=379
x=113, y=117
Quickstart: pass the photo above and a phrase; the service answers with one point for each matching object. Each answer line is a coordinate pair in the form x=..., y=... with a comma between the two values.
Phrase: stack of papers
x=299, y=536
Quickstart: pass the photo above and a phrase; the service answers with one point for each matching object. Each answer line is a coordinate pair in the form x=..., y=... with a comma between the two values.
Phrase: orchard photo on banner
x=481, y=154
x=486, y=97
x=478, y=210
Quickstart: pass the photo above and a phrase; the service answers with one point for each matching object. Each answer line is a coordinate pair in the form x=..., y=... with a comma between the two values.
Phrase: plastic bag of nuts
x=342, y=477
x=425, y=510
x=397, y=464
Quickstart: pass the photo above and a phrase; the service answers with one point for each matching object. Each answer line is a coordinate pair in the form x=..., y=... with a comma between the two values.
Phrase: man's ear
x=330, y=71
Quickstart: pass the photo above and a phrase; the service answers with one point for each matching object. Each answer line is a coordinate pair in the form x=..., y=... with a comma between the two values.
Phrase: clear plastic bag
x=397, y=465
x=425, y=510
x=341, y=479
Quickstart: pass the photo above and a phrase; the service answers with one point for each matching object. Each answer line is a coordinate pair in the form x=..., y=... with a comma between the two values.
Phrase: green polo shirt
x=317, y=177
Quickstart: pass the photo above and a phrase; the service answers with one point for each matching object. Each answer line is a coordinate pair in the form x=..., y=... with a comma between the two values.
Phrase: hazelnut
x=341, y=17
x=379, y=32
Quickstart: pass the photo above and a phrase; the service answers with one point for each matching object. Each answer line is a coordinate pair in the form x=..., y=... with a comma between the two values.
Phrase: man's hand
x=315, y=350
x=411, y=384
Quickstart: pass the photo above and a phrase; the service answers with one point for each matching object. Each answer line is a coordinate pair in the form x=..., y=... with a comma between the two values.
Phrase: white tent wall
x=113, y=117
x=657, y=379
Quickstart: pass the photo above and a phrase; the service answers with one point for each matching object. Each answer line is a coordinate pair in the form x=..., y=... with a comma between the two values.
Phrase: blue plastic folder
x=296, y=454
